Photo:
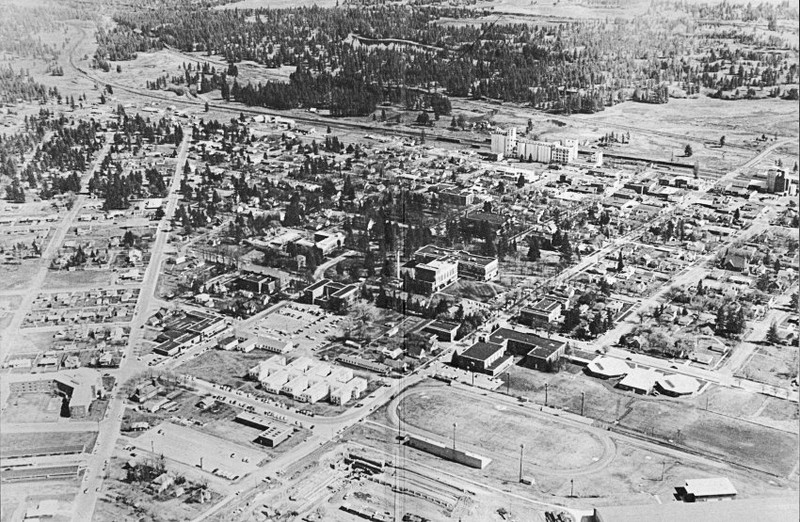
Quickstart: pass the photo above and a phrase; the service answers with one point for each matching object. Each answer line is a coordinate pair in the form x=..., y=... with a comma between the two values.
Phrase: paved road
x=84, y=504
x=319, y=273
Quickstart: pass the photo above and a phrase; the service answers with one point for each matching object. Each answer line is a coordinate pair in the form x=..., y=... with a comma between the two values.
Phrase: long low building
x=749, y=510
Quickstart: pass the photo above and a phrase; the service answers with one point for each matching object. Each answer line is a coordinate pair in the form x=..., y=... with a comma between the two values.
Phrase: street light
x=455, y=425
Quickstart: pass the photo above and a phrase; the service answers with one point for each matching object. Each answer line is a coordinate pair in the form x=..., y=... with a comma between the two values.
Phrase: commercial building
x=706, y=489
x=273, y=432
x=257, y=283
x=443, y=330
x=543, y=312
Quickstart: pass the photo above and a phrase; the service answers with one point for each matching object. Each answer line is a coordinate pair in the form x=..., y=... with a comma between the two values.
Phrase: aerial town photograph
x=399, y=260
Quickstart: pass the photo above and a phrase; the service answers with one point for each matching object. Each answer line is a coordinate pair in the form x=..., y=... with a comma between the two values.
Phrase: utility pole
x=572, y=488
x=521, y=455
x=663, y=467
x=545, y=394
x=455, y=425
x=583, y=401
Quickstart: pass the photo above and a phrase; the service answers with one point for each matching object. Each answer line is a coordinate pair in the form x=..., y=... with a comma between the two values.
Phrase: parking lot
x=308, y=326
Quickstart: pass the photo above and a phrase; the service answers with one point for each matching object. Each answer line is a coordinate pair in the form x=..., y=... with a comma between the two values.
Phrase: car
x=360, y=405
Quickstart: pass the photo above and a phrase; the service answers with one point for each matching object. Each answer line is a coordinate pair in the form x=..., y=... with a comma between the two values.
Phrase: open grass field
x=188, y=446
x=738, y=441
x=564, y=390
x=500, y=430
x=221, y=367
x=57, y=279
x=17, y=277
x=772, y=365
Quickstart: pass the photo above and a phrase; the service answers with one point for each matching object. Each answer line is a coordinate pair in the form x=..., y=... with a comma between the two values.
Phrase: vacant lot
x=221, y=367
x=79, y=278
x=772, y=365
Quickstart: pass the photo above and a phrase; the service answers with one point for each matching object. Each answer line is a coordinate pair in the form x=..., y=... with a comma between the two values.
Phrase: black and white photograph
x=399, y=260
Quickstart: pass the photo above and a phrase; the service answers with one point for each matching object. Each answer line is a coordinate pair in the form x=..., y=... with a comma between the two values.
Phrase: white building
x=315, y=393
x=295, y=386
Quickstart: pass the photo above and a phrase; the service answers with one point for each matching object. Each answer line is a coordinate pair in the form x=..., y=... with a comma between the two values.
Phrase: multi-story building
x=436, y=274
x=528, y=149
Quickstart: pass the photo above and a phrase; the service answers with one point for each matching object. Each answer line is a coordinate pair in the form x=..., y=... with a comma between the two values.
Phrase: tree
x=688, y=151
x=521, y=181
x=722, y=141
x=772, y=334
x=566, y=250
x=620, y=264
x=423, y=118
x=534, y=254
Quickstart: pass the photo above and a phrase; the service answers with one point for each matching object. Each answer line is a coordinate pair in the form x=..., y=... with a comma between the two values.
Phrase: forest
x=565, y=67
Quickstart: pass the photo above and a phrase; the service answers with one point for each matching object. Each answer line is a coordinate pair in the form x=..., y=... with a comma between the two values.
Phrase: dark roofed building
x=443, y=330
x=538, y=352
x=482, y=357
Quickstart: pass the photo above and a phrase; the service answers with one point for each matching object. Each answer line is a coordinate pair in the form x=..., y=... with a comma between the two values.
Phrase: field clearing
x=772, y=365
x=737, y=441
x=704, y=117
x=500, y=430
x=223, y=367
x=18, y=277
x=57, y=279
x=188, y=446
x=276, y=4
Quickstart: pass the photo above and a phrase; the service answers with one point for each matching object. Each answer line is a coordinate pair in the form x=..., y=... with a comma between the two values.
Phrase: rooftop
x=482, y=351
